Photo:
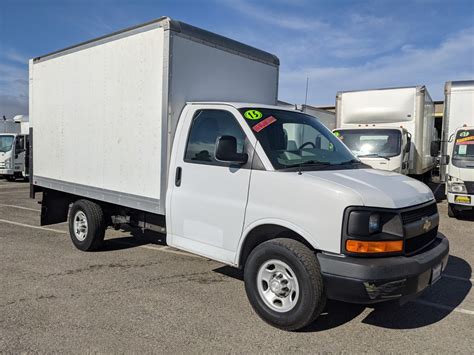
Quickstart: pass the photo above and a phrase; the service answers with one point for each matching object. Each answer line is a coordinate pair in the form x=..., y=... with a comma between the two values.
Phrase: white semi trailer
x=457, y=146
x=14, y=154
x=142, y=127
x=389, y=129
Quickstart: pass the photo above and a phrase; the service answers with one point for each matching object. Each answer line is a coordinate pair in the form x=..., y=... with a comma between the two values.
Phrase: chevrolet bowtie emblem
x=427, y=224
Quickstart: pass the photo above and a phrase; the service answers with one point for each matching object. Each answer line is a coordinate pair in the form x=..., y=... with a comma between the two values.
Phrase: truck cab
x=460, y=171
x=13, y=156
x=384, y=148
x=457, y=146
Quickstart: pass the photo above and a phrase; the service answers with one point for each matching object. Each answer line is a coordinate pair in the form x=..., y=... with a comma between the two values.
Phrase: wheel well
x=265, y=232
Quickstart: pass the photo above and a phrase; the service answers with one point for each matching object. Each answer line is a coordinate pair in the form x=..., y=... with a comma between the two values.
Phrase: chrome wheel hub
x=80, y=226
x=277, y=285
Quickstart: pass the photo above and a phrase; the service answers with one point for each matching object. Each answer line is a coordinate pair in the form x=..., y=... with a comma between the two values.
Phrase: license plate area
x=462, y=199
x=436, y=273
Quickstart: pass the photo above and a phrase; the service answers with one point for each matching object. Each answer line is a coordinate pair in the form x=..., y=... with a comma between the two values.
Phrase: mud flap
x=54, y=207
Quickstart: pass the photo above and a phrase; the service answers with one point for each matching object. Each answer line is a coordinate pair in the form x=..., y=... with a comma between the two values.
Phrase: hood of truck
x=465, y=174
x=378, y=188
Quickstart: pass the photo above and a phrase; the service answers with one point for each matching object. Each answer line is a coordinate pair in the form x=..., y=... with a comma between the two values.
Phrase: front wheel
x=284, y=284
x=86, y=225
x=452, y=211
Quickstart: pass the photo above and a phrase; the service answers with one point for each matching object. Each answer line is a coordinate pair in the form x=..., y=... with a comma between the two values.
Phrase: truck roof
x=167, y=23
x=464, y=85
x=239, y=105
x=419, y=87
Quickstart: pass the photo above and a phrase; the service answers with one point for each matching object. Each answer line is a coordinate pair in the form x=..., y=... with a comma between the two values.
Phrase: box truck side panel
x=425, y=132
x=102, y=101
x=203, y=72
x=377, y=106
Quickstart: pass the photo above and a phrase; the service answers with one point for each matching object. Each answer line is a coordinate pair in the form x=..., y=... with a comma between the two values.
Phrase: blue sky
x=338, y=44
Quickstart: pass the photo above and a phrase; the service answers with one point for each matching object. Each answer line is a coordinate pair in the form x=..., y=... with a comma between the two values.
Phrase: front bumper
x=452, y=199
x=373, y=280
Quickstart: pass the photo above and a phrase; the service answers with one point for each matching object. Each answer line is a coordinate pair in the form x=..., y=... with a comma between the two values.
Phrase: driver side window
x=207, y=126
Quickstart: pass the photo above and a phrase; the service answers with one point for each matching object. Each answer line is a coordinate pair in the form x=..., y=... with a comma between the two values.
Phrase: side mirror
x=434, y=148
x=226, y=151
x=444, y=160
x=408, y=147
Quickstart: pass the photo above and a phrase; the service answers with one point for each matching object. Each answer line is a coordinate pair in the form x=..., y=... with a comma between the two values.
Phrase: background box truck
x=14, y=153
x=389, y=129
x=457, y=146
x=121, y=135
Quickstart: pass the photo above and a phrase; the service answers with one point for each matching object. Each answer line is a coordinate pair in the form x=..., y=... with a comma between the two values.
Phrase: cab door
x=207, y=198
x=19, y=153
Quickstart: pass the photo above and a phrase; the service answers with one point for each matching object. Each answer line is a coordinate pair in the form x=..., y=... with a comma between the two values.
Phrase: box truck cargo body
x=119, y=137
x=457, y=146
x=389, y=129
x=327, y=118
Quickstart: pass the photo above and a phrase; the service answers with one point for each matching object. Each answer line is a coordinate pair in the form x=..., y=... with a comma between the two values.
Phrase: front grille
x=469, y=186
x=419, y=242
x=417, y=214
x=2, y=164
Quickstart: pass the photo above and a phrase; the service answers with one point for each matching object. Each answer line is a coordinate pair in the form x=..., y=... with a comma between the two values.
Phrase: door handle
x=177, y=178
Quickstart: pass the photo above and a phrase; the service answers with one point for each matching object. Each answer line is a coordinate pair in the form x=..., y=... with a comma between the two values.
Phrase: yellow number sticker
x=253, y=115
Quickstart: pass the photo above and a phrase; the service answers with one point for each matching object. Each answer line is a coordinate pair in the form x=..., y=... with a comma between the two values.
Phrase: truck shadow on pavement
x=447, y=294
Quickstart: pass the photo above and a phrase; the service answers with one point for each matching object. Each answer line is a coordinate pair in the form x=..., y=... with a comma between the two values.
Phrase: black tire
x=452, y=212
x=96, y=225
x=11, y=178
x=305, y=266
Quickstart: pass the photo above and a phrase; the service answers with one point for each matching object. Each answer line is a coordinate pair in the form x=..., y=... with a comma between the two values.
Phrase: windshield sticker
x=466, y=140
x=338, y=135
x=464, y=134
x=253, y=115
x=462, y=149
x=265, y=123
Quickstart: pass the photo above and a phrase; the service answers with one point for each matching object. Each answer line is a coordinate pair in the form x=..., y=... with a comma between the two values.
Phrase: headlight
x=457, y=186
x=8, y=163
x=370, y=231
x=374, y=223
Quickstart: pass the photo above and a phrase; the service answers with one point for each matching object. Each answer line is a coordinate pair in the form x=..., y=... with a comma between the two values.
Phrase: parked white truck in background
x=326, y=117
x=127, y=139
x=457, y=146
x=389, y=129
x=14, y=155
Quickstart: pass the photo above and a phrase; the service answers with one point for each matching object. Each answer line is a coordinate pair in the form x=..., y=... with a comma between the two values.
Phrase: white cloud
x=452, y=59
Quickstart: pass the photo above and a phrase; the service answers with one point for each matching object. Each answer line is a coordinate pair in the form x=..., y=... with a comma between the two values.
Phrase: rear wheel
x=86, y=225
x=452, y=211
x=284, y=283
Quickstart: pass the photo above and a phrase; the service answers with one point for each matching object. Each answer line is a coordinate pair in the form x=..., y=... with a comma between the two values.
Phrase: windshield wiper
x=310, y=163
x=352, y=161
x=373, y=155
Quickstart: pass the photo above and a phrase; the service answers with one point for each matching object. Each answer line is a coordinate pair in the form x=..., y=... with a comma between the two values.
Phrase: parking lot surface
x=138, y=295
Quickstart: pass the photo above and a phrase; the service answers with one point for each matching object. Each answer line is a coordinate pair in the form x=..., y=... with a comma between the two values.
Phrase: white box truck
x=122, y=135
x=389, y=129
x=326, y=117
x=457, y=146
x=14, y=153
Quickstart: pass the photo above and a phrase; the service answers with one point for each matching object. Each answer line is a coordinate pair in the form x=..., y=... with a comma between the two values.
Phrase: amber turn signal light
x=360, y=246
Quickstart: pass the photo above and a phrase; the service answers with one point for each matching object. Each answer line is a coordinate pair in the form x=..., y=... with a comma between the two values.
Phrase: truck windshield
x=463, y=155
x=294, y=140
x=384, y=143
x=6, y=143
